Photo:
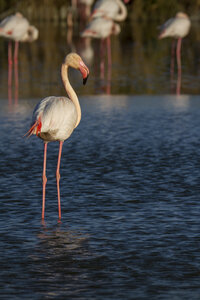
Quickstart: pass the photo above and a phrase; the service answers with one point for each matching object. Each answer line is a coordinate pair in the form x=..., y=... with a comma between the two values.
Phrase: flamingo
x=113, y=9
x=16, y=27
x=177, y=28
x=102, y=28
x=55, y=118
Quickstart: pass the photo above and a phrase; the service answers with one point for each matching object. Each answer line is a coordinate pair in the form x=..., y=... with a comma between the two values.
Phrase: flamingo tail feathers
x=36, y=127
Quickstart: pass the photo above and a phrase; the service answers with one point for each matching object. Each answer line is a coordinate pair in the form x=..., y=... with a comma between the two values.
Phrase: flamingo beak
x=85, y=80
x=84, y=71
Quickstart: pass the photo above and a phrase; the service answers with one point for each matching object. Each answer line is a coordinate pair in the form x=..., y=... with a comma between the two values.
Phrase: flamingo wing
x=14, y=26
x=54, y=118
x=105, y=8
x=98, y=28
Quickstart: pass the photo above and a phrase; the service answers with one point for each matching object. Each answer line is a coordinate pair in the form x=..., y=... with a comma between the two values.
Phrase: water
x=130, y=202
x=129, y=173
x=140, y=62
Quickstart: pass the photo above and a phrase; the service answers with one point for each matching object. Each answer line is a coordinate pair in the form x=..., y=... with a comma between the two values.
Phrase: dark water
x=130, y=186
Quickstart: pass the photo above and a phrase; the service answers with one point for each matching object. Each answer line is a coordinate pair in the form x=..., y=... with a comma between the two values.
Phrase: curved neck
x=123, y=12
x=70, y=91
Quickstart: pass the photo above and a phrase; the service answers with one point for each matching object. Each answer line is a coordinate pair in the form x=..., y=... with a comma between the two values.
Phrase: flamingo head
x=73, y=60
x=181, y=15
x=18, y=14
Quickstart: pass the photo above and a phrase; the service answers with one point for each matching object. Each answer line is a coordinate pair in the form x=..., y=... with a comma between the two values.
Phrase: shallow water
x=130, y=202
x=140, y=62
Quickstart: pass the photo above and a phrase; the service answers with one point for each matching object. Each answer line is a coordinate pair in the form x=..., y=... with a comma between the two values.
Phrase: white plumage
x=101, y=28
x=58, y=118
x=177, y=27
x=14, y=27
x=17, y=28
x=31, y=34
x=113, y=9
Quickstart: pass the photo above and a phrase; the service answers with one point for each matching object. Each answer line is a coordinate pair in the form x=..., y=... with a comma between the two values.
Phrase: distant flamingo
x=17, y=28
x=113, y=9
x=55, y=118
x=102, y=28
x=177, y=28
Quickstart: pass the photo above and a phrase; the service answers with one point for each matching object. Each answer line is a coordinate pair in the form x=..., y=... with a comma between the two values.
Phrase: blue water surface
x=130, y=195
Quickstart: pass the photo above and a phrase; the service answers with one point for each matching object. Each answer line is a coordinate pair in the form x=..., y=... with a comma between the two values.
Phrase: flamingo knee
x=57, y=176
x=44, y=179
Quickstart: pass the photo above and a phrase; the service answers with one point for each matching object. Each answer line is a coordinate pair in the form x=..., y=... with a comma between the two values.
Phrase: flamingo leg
x=172, y=60
x=102, y=53
x=109, y=65
x=58, y=178
x=109, y=52
x=178, y=55
x=16, y=68
x=44, y=179
x=10, y=71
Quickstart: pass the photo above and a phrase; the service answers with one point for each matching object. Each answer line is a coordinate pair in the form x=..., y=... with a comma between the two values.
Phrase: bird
x=55, y=118
x=112, y=9
x=177, y=27
x=17, y=28
x=102, y=28
x=103, y=24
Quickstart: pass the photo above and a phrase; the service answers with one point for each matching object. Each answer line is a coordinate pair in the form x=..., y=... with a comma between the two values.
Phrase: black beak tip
x=85, y=80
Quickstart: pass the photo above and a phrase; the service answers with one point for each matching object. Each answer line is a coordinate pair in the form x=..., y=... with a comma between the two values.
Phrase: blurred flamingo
x=177, y=28
x=17, y=28
x=102, y=28
x=55, y=118
x=113, y=9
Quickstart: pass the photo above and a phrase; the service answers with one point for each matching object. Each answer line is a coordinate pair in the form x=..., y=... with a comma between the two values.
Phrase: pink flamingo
x=55, y=118
x=113, y=9
x=16, y=27
x=178, y=28
x=102, y=28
